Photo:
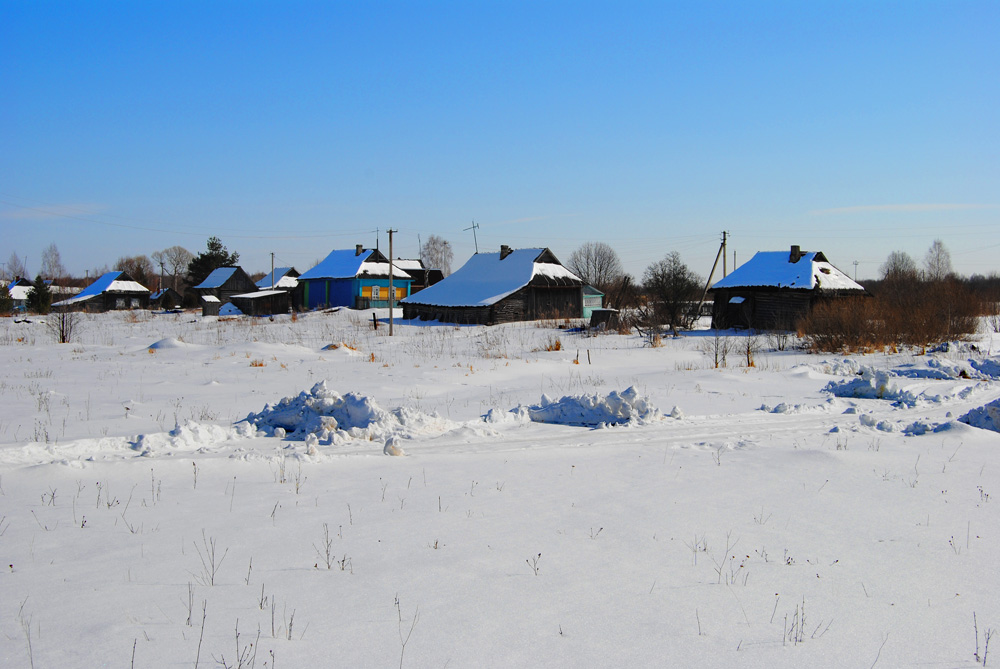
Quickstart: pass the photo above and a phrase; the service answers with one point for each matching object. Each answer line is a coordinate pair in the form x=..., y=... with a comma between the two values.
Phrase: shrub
x=917, y=314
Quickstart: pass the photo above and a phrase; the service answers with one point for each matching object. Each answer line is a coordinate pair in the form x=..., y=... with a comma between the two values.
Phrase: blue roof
x=339, y=264
x=217, y=278
x=102, y=283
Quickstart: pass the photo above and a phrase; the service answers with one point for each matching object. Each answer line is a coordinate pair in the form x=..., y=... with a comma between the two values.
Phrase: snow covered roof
x=19, y=292
x=282, y=279
x=112, y=282
x=407, y=264
x=259, y=294
x=487, y=278
x=210, y=298
x=348, y=263
x=775, y=269
x=217, y=278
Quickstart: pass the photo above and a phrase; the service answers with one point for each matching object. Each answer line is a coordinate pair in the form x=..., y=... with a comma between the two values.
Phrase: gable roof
x=217, y=278
x=348, y=263
x=112, y=282
x=284, y=277
x=774, y=269
x=487, y=278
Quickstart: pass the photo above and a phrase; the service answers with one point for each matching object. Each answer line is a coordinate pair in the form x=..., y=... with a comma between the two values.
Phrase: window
x=375, y=293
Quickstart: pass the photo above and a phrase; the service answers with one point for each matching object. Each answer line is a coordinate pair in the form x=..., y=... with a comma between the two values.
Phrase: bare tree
x=672, y=285
x=937, y=262
x=15, y=266
x=52, y=266
x=899, y=266
x=177, y=260
x=140, y=268
x=436, y=253
x=597, y=264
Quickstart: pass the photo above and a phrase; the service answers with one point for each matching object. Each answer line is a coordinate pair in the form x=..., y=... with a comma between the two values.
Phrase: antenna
x=474, y=227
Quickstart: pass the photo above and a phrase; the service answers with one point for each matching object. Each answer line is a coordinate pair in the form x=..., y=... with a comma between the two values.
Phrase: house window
x=119, y=303
x=375, y=293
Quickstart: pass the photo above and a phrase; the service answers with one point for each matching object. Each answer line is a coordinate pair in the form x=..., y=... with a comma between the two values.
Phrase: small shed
x=512, y=285
x=166, y=298
x=263, y=302
x=356, y=278
x=113, y=291
x=592, y=299
x=222, y=284
x=774, y=289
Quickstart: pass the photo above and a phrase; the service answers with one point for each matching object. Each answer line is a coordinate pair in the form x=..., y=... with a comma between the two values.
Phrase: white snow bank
x=986, y=417
x=900, y=386
x=872, y=383
x=328, y=416
x=624, y=408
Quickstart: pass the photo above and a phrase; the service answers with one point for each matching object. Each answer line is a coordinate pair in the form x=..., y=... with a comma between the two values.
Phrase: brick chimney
x=504, y=251
x=795, y=254
x=359, y=249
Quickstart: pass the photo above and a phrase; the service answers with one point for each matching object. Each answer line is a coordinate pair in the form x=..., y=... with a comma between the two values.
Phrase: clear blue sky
x=296, y=128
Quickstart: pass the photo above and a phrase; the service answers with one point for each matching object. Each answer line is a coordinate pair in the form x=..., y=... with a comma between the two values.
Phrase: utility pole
x=724, y=273
x=855, y=270
x=474, y=227
x=392, y=289
x=272, y=270
x=708, y=284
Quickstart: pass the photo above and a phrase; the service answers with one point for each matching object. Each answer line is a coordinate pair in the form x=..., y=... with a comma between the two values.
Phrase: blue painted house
x=357, y=278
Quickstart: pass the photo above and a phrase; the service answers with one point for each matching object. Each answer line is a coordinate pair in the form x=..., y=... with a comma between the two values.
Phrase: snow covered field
x=562, y=500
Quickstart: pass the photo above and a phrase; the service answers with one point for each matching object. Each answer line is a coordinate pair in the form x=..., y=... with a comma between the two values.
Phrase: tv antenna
x=474, y=227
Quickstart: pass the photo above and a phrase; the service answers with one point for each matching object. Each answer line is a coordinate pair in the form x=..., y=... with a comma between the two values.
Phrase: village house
x=774, y=289
x=220, y=286
x=113, y=291
x=512, y=285
x=357, y=278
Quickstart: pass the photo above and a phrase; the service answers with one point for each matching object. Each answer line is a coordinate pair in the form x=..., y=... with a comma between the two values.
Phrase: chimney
x=504, y=251
x=359, y=249
x=795, y=254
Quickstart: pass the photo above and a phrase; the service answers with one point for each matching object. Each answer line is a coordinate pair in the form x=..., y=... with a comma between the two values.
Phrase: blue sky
x=296, y=128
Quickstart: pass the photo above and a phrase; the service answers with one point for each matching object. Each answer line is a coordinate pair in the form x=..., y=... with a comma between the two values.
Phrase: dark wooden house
x=774, y=289
x=219, y=287
x=113, y=291
x=512, y=285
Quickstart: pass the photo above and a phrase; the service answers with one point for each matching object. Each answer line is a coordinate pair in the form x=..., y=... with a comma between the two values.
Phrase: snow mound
x=624, y=408
x=986, y=417
x=872, y=383
x=169, y=342
x=323, y=415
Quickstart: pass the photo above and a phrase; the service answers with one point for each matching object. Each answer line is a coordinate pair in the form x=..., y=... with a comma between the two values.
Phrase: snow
x=282, y=279
x=486, y=279
x=811, y=510
x=773, y=269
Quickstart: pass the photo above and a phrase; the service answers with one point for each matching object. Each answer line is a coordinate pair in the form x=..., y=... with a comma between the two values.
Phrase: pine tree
x=39, y=297
x=215, y=256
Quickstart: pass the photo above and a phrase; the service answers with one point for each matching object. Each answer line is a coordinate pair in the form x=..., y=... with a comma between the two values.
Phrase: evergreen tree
x=39, y=297
x=6, y=301
x=215, y=256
